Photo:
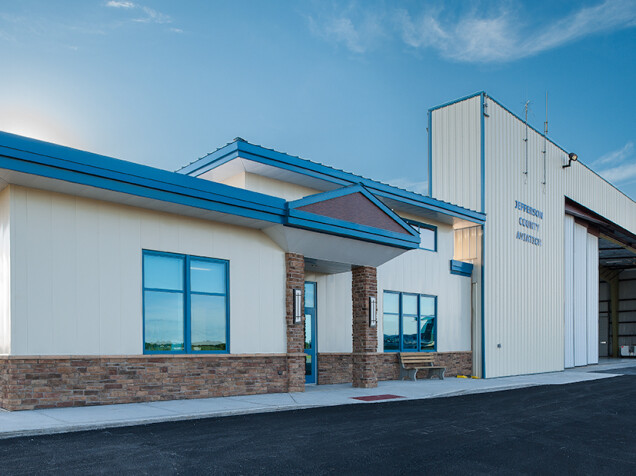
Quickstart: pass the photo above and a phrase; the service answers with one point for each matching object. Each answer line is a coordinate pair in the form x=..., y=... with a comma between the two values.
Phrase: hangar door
x=581, y=295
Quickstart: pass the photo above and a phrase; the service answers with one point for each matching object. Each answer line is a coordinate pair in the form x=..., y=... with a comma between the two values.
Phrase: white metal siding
x=523, y=282
x=580, y=295
x=524, y=292
x=427, y=272
x=5, y=272
x=585, y=187
x=456, y=154
x=77, y=289
x=592, y=299
x=568, y=289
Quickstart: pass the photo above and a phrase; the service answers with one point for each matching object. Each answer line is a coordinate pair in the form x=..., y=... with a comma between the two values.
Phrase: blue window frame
x=409, y=322
x=428, y=234
x=186, y=305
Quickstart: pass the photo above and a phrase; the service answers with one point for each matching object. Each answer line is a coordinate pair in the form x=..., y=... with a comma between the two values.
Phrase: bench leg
x=436, y=372
x=409, y=373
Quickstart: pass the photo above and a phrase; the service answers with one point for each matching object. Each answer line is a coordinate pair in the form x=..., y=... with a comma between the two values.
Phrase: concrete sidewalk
x=59, y=420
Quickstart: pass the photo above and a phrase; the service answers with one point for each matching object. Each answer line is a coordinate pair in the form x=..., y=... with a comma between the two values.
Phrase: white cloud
x=616, y=156
x=152, y=16
x=342, y=31
x=503, y=36
x=494, y=33
x=620, y=164
x=420, y=187
x=120, y=4
x=358, y=29
x=149, y=15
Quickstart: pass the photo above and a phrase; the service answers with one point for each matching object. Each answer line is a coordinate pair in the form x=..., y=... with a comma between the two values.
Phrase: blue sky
x=343, y=83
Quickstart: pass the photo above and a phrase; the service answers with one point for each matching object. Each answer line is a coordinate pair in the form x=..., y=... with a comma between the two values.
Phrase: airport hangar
x=254, y=271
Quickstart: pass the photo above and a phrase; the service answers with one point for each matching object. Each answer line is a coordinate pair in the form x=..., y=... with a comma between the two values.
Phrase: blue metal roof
x=43, y=159
x=245, y=150
x=22, y=154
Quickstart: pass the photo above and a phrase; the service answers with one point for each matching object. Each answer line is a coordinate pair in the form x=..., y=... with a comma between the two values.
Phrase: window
x=186, y=306
x=428, y=234
x=409, y=322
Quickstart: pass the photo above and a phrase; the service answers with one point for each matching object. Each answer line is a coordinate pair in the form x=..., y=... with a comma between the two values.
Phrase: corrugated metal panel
x=523, y=281
x=568, y=288
x=580, y=295
x=456, y=154
x=585, y=187
x=524, y=284
x=82, y=259
x=592, y=299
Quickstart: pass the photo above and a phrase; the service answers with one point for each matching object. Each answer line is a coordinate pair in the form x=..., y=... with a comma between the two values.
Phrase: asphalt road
x=582, y=428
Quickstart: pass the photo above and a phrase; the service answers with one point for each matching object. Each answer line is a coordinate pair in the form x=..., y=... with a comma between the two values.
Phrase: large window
x=428, y=234
x=186, y=306
x=409, y=322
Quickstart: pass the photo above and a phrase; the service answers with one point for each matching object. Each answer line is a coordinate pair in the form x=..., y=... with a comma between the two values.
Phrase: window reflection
x=409, y=322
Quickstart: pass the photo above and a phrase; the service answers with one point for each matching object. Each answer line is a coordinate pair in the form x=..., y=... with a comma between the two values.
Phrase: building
x=553, y=227
x=253, y=271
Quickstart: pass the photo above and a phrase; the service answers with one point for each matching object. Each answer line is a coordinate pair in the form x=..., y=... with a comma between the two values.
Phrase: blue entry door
x=310, y=332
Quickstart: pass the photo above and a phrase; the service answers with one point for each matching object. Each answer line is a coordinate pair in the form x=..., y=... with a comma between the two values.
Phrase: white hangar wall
x=524, y=278
x=76, y=286
x=456, y=169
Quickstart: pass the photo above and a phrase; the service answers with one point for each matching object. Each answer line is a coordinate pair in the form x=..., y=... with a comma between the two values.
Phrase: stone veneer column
x=295, y=279
x=364, y=284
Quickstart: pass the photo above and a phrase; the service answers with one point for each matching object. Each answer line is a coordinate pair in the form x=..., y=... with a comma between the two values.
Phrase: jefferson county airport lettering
x=529, y=224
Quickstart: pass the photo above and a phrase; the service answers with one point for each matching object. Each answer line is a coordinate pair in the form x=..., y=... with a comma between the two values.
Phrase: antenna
x=545, y=138
x=546, y=115
x=526, y=139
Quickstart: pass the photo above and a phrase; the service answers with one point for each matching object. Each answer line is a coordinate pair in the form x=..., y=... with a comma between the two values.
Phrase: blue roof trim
x=482, y=150
x=455, y=101
x=519, y=118
x=357, y=188
x=29, y=156
x=218, y=157
x=430, y=154
x=559, y=147
x=44, y=159
x=323, y=172
x=461, y=268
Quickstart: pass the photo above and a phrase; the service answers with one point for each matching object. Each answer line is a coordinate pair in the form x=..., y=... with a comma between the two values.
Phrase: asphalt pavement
x=587, y=427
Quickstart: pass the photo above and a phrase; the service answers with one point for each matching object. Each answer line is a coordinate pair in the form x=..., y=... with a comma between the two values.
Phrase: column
x=364, y=284
x=295, y=279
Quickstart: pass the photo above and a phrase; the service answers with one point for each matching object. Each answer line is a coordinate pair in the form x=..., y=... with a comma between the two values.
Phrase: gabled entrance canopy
x=342, y=228
x=352, y=212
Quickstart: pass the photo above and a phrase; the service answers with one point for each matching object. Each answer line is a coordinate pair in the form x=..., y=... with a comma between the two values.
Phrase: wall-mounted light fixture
x=298, y=302
x=572, y=157
x=373, y=311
